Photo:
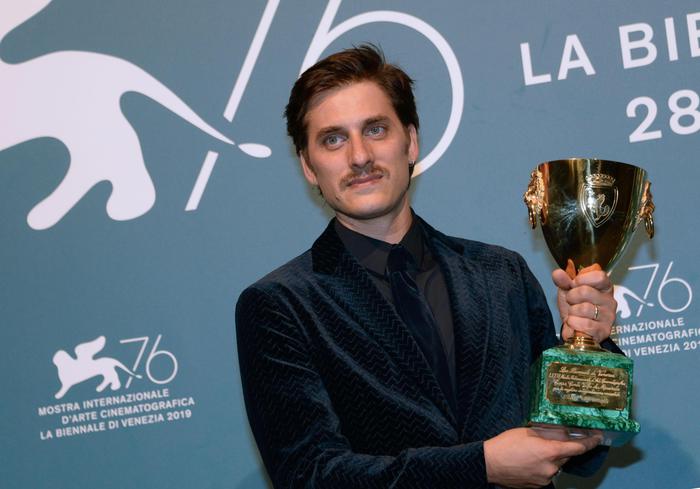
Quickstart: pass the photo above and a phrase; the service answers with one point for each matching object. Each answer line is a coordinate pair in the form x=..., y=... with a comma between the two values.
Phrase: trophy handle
x=534, y=198
x=646, y=212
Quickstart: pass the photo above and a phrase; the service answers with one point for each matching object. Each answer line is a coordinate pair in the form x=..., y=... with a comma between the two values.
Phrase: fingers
x=591, y=268
x=587, y=304
x=561, y=445
x=572, y=448
x=553, y=470
x=597, y=279
x=522, y=458
x=561, y=279
x=552, y=432
x=564, y=450
x=592, y=276
x=590, y=442
x=597, y=330
x=586, y=293
x=590, y=311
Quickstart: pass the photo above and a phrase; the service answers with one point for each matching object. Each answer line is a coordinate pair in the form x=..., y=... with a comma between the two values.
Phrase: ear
x=413, y=146
x=308, y=170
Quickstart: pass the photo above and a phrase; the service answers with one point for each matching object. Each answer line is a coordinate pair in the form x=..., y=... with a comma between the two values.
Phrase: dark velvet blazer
x=339, y=394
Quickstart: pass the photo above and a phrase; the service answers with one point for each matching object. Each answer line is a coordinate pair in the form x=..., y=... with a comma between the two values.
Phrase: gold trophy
x=588, y=210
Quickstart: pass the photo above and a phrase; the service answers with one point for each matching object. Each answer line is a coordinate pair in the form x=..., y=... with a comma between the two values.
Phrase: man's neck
x=390, y=228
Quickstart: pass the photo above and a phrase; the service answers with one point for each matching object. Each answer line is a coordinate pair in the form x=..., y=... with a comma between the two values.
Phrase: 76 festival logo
x=660, y=288
x=84, y=366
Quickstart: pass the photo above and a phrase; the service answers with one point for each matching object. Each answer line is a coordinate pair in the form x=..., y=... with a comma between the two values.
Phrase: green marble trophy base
x=574, y=391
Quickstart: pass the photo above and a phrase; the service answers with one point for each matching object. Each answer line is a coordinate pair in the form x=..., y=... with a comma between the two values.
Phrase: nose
x=360, y=152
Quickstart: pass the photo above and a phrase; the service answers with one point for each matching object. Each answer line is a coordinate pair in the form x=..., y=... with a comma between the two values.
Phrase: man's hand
x=519, y=458
x=586, y=302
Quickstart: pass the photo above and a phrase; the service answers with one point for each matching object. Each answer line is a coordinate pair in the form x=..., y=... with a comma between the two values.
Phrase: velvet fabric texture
x=338, y=392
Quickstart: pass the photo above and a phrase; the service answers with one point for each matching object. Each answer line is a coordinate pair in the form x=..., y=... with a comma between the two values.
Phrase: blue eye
x=333, y=140
x=376, y=131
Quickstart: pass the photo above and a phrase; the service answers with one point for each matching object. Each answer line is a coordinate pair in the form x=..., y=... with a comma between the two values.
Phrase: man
x=348, y=383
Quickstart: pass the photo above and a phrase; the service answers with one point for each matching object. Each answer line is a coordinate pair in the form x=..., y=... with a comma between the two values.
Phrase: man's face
x=358, y=152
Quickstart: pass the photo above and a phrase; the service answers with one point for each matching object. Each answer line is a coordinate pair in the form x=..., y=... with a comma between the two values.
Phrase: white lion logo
x=84, y=366
x=74, y=96
x=622, y=294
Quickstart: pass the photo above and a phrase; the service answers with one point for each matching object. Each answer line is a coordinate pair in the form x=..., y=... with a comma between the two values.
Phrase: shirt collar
x=373, y=253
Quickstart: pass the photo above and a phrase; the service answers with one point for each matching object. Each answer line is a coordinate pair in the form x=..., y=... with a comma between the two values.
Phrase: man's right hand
x=520, y=458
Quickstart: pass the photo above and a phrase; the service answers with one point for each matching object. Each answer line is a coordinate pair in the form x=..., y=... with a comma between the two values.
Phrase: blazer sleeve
x=542, y=333
x=299, y=435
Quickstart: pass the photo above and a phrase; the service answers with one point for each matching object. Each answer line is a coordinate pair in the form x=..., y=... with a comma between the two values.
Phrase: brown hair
x=363, y=63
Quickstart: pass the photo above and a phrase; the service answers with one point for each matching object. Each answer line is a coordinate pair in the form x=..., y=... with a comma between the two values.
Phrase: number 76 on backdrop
x=673, y=293
x=325, y=34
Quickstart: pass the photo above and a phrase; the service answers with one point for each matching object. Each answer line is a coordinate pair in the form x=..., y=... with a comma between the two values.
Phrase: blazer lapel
x=352, y=287
x=477, y=349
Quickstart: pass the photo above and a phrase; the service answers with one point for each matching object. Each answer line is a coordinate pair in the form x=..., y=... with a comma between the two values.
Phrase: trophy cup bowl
x=588, y=210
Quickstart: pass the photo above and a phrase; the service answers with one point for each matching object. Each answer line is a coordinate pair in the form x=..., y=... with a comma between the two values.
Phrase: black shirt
x=373, y=254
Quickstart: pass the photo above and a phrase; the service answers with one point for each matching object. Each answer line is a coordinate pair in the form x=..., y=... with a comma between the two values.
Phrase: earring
x=411, y=163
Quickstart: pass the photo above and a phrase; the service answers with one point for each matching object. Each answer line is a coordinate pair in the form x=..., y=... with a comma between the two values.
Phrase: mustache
x=366, y=171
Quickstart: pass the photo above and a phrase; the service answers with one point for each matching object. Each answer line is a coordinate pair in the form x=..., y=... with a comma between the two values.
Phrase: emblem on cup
x=598, y=198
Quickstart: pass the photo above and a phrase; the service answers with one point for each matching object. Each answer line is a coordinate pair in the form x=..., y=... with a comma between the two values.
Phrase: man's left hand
x=586, y=302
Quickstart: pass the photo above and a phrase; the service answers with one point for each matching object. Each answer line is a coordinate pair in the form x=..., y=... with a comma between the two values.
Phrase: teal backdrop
x=146, y=179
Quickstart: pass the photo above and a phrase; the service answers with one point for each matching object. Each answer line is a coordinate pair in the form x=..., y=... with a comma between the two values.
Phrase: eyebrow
x=375, y=119
x=328, y=130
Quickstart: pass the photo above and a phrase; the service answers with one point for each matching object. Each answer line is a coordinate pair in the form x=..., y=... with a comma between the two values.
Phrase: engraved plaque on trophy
x=588, y=210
